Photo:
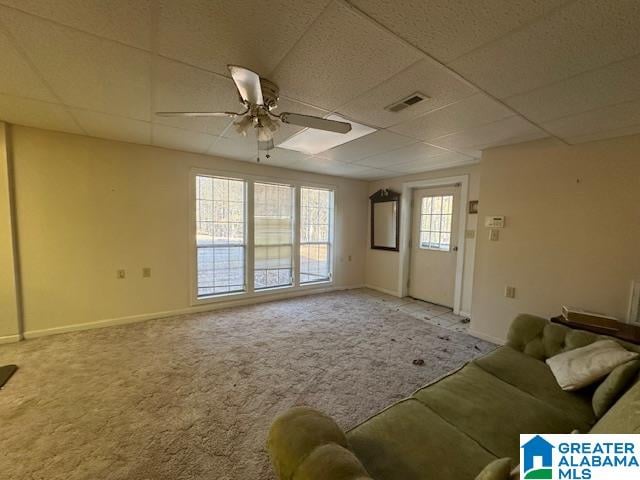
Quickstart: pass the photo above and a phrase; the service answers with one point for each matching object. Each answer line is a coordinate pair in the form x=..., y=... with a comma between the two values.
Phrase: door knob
x=455, y=249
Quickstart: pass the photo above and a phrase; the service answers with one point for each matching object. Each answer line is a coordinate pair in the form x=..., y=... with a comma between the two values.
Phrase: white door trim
x=405, y=231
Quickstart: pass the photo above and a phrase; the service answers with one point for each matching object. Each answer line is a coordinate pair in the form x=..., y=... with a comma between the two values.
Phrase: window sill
x=266, y=292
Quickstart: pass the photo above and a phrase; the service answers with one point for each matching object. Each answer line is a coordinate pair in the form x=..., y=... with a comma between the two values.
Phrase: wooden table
x=628, y=332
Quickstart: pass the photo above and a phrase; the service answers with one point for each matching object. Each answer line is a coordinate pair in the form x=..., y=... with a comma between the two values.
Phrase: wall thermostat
x=496, y=221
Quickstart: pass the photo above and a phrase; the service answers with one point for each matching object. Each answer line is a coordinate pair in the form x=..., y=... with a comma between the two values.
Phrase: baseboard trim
x=488, y=338
x=395, y=293
x=9, y=339
x=30, y=334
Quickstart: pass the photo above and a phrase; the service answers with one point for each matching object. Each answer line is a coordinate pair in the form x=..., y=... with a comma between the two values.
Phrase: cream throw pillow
x=583, y=366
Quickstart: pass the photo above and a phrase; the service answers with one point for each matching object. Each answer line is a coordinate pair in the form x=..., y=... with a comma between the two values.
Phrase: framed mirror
x=385, y=220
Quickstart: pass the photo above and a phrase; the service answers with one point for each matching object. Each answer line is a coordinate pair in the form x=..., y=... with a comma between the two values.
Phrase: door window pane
x=436, y=213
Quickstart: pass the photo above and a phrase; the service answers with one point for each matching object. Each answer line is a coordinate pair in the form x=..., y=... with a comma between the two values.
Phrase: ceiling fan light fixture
x=242, y=126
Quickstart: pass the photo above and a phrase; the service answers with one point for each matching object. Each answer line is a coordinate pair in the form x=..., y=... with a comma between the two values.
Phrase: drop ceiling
x=496, y=72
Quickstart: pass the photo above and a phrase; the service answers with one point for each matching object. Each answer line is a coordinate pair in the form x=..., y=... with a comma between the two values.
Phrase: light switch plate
x=494, y=235
x=510, y=292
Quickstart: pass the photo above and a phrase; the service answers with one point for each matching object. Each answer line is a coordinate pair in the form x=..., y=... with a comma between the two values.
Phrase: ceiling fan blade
x=197, y=114
x=248, y=84
x=315, y=122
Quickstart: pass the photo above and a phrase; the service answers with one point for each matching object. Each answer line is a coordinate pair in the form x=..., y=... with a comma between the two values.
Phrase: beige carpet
x=192, y=397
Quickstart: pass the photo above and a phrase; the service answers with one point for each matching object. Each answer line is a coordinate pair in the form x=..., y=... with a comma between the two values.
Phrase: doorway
x=438, y=258
x=434, y=244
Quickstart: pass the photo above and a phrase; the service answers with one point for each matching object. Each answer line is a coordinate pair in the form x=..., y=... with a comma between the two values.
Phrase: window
x=316, y=223
x=273, y=235
x=254, y=235
x=220, y=235
x=435, y=222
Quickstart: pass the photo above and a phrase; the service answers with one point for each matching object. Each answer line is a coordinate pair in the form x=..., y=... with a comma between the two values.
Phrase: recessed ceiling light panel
x=311, y=141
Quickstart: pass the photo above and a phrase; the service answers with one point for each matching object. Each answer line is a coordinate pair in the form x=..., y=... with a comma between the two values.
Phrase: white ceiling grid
x=496, y=72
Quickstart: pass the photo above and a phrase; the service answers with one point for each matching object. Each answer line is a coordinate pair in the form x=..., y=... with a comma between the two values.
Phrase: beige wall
x=572, y=230
x=382, y=267
x=87, y=207
x=8, y=295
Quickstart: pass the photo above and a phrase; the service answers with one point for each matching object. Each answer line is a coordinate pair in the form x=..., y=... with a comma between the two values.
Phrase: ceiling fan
x=260, y=97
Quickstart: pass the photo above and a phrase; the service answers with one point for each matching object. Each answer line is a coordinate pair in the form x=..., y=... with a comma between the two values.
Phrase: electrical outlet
x=146, y=272
x=349, y=258
x=470, y=234
x=494, y=235
x=121, y=274
x=510, y=292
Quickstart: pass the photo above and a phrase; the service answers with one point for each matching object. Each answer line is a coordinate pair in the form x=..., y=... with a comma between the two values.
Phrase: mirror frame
x=383, y=196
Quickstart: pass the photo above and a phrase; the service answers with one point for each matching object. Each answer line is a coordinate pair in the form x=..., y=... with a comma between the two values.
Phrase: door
x=434, y=248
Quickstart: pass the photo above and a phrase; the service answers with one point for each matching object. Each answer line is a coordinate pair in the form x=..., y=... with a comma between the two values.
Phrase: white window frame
x=250, y=243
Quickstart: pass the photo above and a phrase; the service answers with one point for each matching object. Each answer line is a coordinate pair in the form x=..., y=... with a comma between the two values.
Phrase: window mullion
x=297, y=224
x=250, y=240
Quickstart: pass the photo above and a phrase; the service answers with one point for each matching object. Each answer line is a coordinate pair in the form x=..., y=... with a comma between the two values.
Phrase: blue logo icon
x=537, y=459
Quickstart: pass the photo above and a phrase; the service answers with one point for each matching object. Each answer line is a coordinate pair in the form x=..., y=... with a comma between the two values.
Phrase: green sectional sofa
x=452, y=428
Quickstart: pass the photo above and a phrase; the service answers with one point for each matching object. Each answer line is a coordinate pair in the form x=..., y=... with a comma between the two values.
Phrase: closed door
x=434, y=248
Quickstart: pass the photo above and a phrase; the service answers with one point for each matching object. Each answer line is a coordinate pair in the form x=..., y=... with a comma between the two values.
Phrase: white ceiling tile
x=446, y=29
x=585, y=35
x=83, y=70
x=179, y=87
x=178, y=139
x=16, y=75
x=448, y=160
x=620, y=132
x=410, y=153
x=280, y=157
x=473, y=111
x=374, y=143
x=111, y=127
x=212, y=34
x=602, y=120
x=341, y=56
x=127, y=21
x=371, y=174
x=426, y=77
x=34, y=113
x=237, y=149
x=328, y=167
x=612, y=84
x=503, y=132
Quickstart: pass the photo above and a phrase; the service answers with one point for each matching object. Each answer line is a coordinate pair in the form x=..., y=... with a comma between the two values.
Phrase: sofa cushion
x=492, y=412
x=624, y=416
x=614, y=386
x=534, y=377
x=408, y=441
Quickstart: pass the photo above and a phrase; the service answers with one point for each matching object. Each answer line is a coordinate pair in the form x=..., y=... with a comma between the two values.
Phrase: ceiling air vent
x=406, y=102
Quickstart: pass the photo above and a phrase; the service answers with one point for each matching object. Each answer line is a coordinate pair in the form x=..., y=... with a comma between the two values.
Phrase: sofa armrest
x=306, y=444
